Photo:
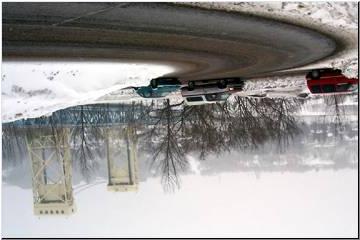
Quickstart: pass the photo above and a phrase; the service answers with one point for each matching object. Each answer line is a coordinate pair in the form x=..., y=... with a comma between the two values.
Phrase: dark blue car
x=159, y=87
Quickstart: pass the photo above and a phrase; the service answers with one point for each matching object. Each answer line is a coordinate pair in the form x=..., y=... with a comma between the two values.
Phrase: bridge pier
x=121, y=144
x=49, y=153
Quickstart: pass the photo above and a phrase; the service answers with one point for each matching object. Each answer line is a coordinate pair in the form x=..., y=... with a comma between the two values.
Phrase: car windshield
x=217, y=96
x=145, y=92
x=194, y=99
x=315, y=89
x=343, y=87
x=328, y=88
x=159, y=93
x=353, y=87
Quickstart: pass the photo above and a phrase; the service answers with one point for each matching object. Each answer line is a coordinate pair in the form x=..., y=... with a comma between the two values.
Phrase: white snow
x=33, y=89
x=273, y=87
x=130, y=95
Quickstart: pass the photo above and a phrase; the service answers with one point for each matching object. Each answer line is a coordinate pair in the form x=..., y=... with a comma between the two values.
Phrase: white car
x=206, y=98
x=210, y=91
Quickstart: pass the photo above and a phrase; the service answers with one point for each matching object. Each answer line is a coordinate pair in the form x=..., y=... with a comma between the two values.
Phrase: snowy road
x=200, y=43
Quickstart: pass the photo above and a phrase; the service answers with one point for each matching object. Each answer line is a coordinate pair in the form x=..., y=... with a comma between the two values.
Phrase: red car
x=330, y=81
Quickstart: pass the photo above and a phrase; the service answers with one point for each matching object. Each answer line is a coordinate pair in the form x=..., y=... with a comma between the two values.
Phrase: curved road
x=200, y=43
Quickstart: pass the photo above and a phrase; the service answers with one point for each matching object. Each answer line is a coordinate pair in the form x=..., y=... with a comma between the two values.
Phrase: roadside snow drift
x=33, y=89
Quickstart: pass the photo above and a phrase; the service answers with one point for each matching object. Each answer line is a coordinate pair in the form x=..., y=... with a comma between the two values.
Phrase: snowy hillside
x=33, y=89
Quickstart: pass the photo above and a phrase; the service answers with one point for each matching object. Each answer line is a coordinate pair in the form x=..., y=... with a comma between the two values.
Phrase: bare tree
x=85, y=138
x=244, y=124
x=332, y=103
x=168, y=154
x=13, y=145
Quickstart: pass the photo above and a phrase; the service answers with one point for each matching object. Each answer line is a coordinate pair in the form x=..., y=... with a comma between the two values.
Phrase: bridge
x=97, y=115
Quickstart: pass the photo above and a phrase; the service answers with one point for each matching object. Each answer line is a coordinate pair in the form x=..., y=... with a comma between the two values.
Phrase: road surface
x=199, y=43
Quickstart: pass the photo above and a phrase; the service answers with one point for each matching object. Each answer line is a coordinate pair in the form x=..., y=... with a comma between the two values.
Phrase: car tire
x=238, y=81
x=222, y=83
x=191, y=85
x=315, y=74
x=153, y=83
x=239, y=84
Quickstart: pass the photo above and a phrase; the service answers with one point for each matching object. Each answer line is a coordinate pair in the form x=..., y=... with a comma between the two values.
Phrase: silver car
x=210, y=91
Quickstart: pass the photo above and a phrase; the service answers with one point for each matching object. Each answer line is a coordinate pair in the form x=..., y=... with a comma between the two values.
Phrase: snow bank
x=276, y=87
x=130, y=95
x=33, y=89
x=336, y=19
x=276, y=82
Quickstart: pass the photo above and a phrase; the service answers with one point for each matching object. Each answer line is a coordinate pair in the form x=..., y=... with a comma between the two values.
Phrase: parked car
x=324, y=81
x=164, y=81
x=210, y=91
x=159, y=87
x=206, y=98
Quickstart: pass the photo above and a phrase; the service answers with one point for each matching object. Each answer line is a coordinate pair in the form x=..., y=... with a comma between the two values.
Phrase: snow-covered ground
x=336, y=19
x=283, y=86
x=33, y=89
x=130, y=95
